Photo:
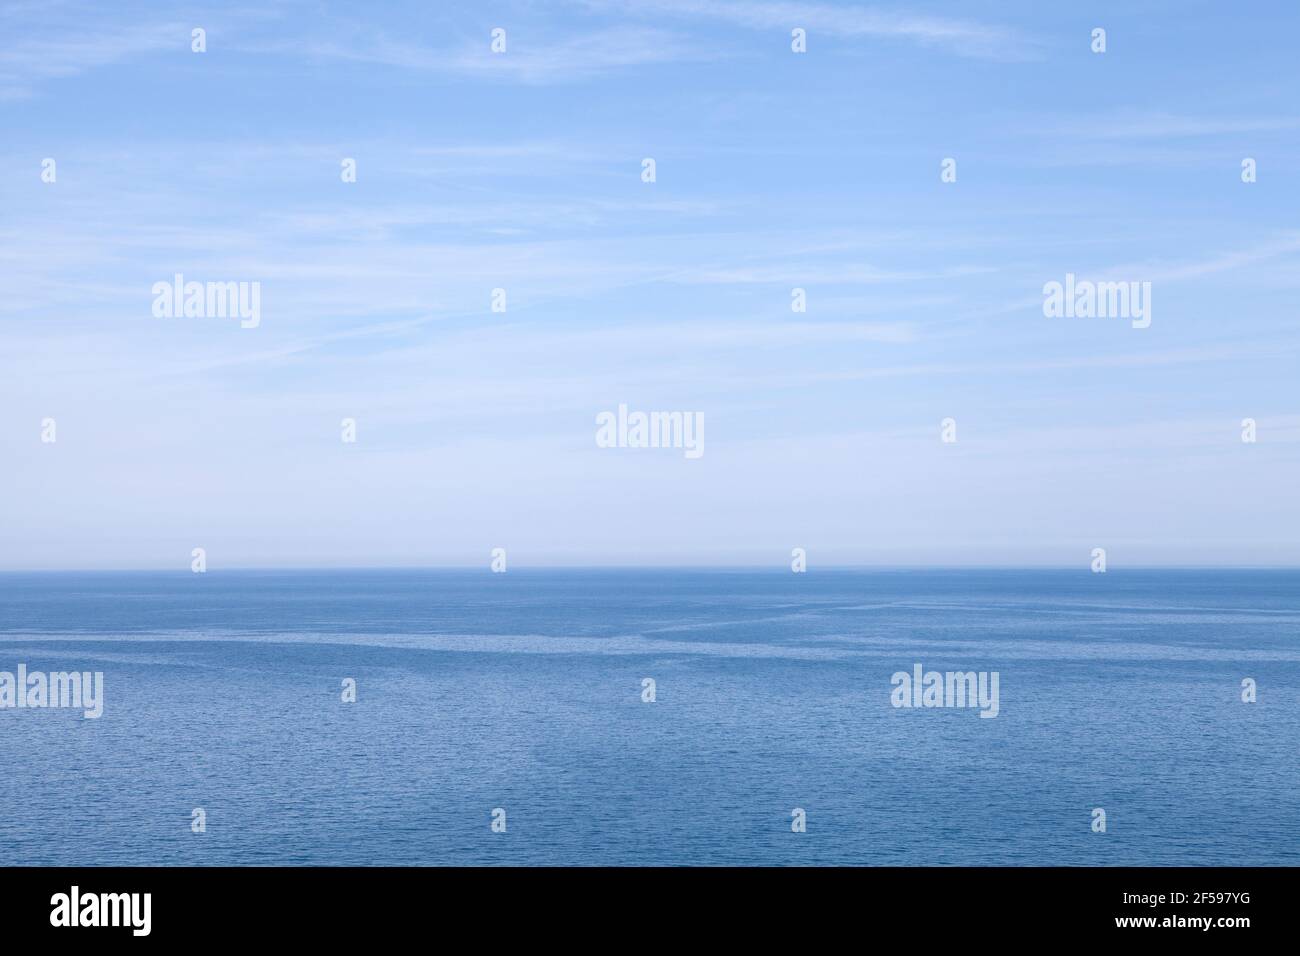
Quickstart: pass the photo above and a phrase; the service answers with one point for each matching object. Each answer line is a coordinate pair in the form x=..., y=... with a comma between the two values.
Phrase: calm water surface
x=523, y=691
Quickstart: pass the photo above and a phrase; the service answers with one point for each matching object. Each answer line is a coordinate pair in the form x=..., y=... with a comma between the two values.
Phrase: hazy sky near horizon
x=774, y=170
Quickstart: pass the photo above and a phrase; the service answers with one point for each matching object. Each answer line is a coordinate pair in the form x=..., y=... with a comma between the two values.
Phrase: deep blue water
x=523, y=691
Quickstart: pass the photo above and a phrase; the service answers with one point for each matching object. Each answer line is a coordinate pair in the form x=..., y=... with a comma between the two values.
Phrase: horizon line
x=779, y=568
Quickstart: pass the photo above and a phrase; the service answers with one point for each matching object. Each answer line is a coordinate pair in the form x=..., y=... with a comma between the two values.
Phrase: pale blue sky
x=522, y=171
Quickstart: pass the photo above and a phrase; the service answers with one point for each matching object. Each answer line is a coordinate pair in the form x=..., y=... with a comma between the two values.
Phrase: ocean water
x=523, y=691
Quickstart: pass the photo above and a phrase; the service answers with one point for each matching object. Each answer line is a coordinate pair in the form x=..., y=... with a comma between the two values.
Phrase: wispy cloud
x=1129, y=125
x=522, y=171
x=847, y=274
x=958, y=35
x=26, y=60
x=528, y=59
x=1278, y=246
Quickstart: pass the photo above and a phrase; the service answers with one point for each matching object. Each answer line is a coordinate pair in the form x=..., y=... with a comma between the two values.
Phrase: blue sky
x=775, y=170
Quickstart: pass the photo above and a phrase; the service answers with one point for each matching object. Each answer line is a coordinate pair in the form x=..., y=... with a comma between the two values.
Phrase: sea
x=654, y=717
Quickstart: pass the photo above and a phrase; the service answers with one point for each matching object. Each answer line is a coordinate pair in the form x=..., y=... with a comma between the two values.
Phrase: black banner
x=984, y=906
